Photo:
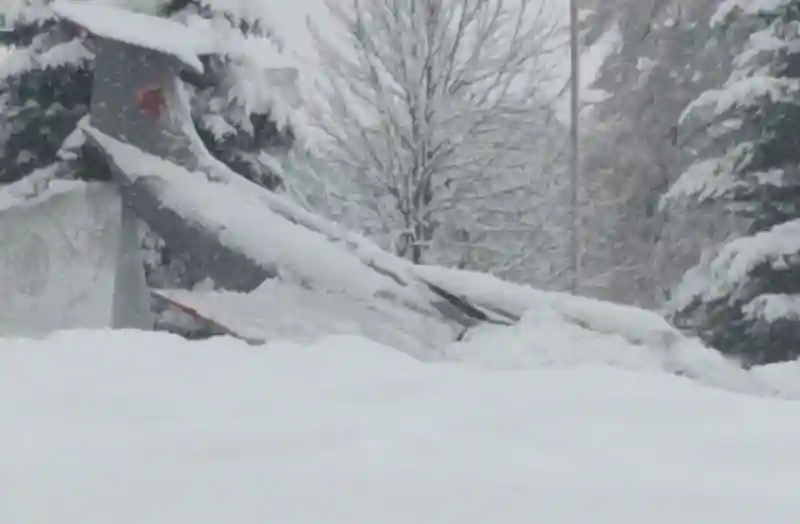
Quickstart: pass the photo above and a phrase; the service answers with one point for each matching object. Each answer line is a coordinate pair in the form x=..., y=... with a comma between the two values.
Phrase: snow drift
x=132, y=427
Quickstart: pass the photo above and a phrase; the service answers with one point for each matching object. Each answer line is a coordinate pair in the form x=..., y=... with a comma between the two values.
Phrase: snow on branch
x=772, y=307
x=762, y=43
x=20, y=12
x=258, y=78
x=712, y=178
x=749, y=7
x=254, y=13
x=746, y=92
x=20, y=61
x=740, y=257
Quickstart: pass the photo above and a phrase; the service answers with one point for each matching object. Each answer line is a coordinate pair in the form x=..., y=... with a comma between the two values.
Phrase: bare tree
x=433, y=106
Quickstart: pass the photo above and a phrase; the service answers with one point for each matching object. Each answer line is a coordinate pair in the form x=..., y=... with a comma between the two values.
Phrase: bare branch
x=437, y=104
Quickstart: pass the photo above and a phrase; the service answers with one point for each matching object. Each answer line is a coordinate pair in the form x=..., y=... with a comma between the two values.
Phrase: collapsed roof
x=245, y=234
x=197, y=204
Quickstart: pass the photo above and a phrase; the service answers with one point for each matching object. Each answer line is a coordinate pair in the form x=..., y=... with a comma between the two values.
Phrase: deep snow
x=130, y=427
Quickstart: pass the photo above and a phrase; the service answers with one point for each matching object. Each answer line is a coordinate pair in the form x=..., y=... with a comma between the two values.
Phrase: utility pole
x=575, y=240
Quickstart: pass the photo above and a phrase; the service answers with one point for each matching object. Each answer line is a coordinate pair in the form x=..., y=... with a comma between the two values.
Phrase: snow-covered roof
x=150, y=32
x=232, y=209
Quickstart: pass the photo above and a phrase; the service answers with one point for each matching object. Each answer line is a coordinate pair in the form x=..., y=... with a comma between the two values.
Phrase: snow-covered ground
x=574, y=414
x=128, y=427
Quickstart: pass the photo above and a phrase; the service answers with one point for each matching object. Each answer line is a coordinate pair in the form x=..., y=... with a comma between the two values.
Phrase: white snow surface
x=745, y=6
x=18, y=61
x=773, y=307
x=131, y=427
x=547, y=339
x=722, y=274
x=717, y=177
x=559, y=329
x=738, y=258
x=515, y=301
x=58, y=257
x=37, y=187
x=277, y=310
x=745, y=92
x=151, y=32
x=555, y=330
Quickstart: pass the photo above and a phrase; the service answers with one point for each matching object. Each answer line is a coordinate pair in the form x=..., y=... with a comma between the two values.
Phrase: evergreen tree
x=240, y=119
x=659, y=57
x=45, y=84
x=746, y=300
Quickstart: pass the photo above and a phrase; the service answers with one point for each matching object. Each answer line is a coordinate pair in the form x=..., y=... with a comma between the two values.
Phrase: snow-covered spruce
x=653, y=58
x=742, y=300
